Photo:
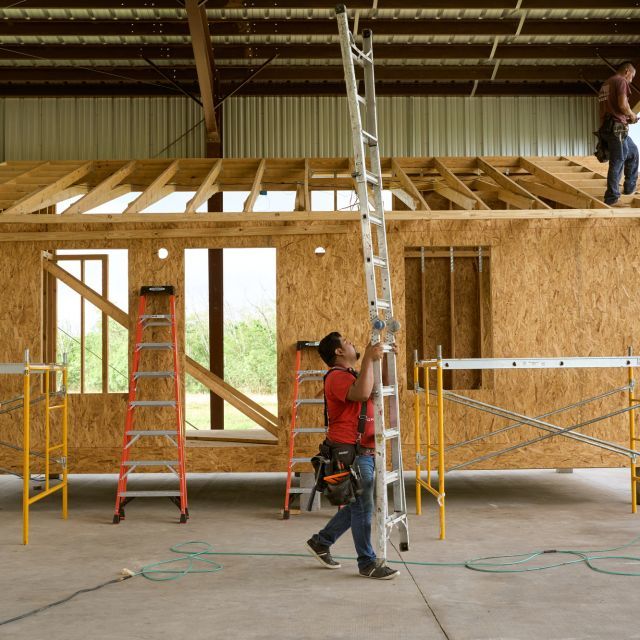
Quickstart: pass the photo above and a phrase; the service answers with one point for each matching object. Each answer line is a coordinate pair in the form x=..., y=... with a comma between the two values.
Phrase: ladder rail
x=294, y=412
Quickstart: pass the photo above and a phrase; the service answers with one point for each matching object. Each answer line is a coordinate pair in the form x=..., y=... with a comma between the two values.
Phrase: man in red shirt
x=615, y=117
x=345, y=392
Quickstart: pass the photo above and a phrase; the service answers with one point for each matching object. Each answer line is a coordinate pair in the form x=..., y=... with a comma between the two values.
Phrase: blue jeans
x=357, y=516
x=622, y=155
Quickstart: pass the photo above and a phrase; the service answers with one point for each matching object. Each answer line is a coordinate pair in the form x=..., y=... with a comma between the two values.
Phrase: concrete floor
x=489, y=513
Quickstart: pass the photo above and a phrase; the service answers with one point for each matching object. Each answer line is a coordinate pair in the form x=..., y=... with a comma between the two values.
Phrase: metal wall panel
x=117, y=127
x=413, y=126
x=99, y=128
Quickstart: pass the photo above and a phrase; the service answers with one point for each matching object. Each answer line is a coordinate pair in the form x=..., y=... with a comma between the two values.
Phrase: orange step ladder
x=301, y=376
x=174, y=433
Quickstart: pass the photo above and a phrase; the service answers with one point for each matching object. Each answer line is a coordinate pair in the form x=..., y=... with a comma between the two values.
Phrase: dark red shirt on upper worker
x=610, y=92
x=343, y=414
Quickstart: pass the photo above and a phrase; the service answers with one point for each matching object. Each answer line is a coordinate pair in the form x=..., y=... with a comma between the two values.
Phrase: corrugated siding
x=412, y=126
x=121, y=128
x=99, y=128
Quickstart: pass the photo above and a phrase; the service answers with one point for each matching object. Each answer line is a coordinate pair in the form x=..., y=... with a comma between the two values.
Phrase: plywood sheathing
x=557, y=288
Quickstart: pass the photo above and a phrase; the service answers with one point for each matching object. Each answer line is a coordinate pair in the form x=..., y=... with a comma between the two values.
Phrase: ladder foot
x=183, y=518
x=286, y=514
x=116, y=519
x=404, y=546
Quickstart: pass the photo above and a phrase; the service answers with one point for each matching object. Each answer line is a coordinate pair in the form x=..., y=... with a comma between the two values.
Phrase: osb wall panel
x=20, y=301
x=557, y=288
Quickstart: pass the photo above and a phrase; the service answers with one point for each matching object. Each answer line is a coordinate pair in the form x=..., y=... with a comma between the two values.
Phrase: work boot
x=379, y=573
x=321, y=552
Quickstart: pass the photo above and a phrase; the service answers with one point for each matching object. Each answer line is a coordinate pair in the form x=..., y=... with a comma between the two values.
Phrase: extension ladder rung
x=150, y=494
x=309, y=401
x=156, y=316
x=153, y=403
x=300, y=490
x=379, y=262
x=389, y=390
x=383, y=304
x=156, y=324
x=391, y=433
x=154, y=345
x=150, y=463
x=369, y=137
x=309, y=430
x=361, y=99
x=300, y=460
x=376, y=220
x=358, y=54
x=152, y=432
x=372, y=178
x=395, y=518
x=153, y=374
x=392, y=476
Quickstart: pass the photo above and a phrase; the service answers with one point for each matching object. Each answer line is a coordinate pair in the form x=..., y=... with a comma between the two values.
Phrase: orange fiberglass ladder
x=301, y=376
x=173, y=433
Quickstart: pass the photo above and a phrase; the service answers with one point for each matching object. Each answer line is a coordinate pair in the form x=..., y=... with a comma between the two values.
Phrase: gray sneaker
x=379, y=573
x=321, y=552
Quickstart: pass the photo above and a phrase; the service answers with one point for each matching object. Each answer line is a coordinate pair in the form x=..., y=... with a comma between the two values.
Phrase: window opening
x=96, y=345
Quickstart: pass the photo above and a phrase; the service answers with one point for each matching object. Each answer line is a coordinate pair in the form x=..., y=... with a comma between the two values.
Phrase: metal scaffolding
x=50, y=374
x=435, y=445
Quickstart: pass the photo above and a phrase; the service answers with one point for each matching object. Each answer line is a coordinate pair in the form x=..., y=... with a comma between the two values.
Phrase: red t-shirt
x=343, y=414
x=610, y=91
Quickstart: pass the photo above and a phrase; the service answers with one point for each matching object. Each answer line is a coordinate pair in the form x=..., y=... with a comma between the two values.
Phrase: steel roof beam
x=270, y=27
x=260, y=52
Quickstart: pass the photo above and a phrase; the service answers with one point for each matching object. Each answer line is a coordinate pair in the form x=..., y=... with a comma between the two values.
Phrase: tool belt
x=336, y=475
x=613, y=127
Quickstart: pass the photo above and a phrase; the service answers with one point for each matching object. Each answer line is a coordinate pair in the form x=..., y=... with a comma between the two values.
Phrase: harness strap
x=362, y=416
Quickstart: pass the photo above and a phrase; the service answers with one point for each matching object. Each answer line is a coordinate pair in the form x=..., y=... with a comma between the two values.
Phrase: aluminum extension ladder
x=173, y=433
x=302, y=376
x=378, y=280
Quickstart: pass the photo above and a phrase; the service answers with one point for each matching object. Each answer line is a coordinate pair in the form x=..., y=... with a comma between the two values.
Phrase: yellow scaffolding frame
x=437, y=447
x=50, y=374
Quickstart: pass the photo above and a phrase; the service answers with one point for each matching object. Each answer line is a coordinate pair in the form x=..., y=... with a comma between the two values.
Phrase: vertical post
x=47, y=427
x=423, y=304
x=632, y=438
x=65, y=415
x=427, y=422
x=440, y=442
x=105, y=327
x=452, y=308
x=416, y=424
x=480, y=312
x=82, y=338
x=26, y=446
